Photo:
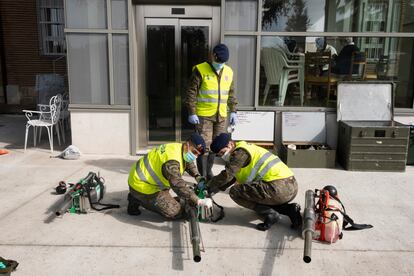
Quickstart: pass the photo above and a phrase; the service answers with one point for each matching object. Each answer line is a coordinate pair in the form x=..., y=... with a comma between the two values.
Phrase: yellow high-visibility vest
x=263, y=165
x=146, y=175
x=213, y=95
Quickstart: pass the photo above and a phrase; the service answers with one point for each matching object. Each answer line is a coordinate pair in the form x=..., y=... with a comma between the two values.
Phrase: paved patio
x=113, y=243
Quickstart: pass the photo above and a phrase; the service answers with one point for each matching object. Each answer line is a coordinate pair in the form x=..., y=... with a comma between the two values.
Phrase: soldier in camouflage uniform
x=262, y=182
x=209, y=94
x=151, y=178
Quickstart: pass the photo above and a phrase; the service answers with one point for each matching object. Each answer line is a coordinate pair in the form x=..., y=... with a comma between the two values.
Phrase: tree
x=298, y=20
x=272, y=10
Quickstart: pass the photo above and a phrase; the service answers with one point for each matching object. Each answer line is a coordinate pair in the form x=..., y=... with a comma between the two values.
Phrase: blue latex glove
x=193, y=119
x=201, y=183
x=233, y=118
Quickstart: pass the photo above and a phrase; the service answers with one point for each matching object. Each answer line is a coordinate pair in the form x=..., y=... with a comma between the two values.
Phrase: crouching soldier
x=262, y=182
x=151, y=178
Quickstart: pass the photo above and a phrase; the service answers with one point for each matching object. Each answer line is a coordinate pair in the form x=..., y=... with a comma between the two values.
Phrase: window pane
x=293, y=15
x=370, y=16
x=284, y=59
x=242, y=61
x=119, y=14
x=88, y=68
x=241, y=15
x=121, y=68
x=86, y=14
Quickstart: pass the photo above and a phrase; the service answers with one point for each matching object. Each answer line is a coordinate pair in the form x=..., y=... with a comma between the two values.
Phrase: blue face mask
x=189, y=157
x=217, y=66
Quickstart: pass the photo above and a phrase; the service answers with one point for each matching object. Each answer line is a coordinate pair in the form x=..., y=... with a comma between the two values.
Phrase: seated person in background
x=323, y=47
x=344, y=59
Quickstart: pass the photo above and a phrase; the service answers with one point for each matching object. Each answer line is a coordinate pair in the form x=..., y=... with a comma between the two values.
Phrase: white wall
x=101, y=132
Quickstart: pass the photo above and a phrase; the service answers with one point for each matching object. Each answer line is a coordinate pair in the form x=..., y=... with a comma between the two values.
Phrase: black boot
x=133, y=206
x=202, y=165
x=269, y=214
x=210, y=163
x=292, y=210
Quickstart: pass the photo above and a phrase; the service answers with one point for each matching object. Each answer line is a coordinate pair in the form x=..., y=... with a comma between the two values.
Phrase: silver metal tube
x=195, y=235
x=66, y=204
x=308, y=225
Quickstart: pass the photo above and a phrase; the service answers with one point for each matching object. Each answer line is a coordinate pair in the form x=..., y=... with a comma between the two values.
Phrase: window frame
x=109, y=31
x=42, y=26
x=259, y=33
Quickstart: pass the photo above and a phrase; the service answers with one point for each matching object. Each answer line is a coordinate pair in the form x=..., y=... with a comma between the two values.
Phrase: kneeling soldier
x=151, y=178
x=262, y=182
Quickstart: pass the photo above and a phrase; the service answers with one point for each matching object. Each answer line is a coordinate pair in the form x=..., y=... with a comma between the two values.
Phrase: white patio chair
x=282, y=70
x=63, y=118
x=47, y=119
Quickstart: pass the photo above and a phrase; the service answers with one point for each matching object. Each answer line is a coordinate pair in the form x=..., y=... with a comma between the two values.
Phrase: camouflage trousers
x=276, y=192
x=208, y=129
x=161, y=202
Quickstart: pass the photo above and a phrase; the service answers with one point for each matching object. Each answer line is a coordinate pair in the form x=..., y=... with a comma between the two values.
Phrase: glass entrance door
x=173, y=47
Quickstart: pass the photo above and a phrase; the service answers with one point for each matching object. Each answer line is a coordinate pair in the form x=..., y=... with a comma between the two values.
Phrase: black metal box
x=368, y=138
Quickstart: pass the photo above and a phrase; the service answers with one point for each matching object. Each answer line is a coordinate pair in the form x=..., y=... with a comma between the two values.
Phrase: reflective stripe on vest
x=211, y=90
x=223, y=101
x=266, y=169
x=141, y=175
x=146, y=175
x=254, y=174
x=263, y=165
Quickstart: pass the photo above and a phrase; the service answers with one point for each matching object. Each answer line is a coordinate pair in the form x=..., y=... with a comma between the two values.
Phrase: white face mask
x=226, y=156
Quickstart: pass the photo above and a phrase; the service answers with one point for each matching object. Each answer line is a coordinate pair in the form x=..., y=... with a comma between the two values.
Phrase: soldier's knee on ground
x=170, y=209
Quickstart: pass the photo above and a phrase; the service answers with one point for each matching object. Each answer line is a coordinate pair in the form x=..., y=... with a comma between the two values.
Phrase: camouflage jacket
x=171, y=171
x=239, y=158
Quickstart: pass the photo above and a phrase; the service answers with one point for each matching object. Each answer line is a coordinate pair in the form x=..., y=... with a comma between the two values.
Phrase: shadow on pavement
x=275, y=245
x=118, y=165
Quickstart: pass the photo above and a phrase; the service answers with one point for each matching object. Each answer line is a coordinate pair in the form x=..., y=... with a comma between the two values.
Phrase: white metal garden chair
x=63, y=122
x=43, y=118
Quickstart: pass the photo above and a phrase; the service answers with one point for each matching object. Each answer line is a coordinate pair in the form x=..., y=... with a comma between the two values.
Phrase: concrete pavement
x=113, y=243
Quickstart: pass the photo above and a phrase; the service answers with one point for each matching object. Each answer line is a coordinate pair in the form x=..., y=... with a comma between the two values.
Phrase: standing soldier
x=262, y=182
x=151, y=178
x=210, y=93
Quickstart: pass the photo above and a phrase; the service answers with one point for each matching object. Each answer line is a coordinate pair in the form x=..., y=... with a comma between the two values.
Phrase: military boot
x=269, y=214
x=210, y=163
x=133, y=206
x=292, y=210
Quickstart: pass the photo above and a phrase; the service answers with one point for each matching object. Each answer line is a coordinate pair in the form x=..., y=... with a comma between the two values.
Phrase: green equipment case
x=368, y=137
x=304, y=139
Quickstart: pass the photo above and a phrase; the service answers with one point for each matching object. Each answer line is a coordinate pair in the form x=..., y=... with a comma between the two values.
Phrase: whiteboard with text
x=254, y=126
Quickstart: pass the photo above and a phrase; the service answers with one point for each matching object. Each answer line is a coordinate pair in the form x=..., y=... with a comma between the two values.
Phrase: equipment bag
x=95, y=190
x=331, y=217
x=329, y=221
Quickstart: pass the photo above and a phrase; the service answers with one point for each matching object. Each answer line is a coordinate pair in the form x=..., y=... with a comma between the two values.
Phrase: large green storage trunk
x=372, y=146
x=368, y=138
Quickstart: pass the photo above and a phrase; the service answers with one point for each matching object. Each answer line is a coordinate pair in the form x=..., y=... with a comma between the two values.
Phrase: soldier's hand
x=233, y=119
x=193, y=119
x=205, y=202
